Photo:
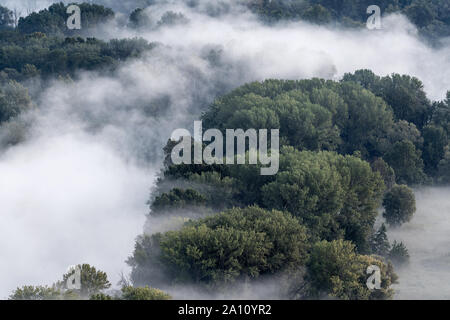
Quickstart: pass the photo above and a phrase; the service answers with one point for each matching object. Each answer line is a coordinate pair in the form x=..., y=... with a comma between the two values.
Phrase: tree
x=145, y=293
x=171, y=18
x=435, y=141
x=403, y=93
x=92, y=280
x=52, y=21
x=139, y=19
x=386, y=172
x=6, y=18
x=176, y=199
x=369, y=121
x=14, y=99
x=406, y=162
x=399, y=204
x=36, y=293
x=441, y=114
x=407, y=98
x=379, y=242
x=336, y=270
x=334, y=195
x=399, y=254
x=237, y=243
x=317, y=14
x=100, y=296
x=444, y=167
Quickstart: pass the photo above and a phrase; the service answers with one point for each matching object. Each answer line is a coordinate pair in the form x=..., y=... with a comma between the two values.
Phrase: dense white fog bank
x=427, y=238
x=66, y=200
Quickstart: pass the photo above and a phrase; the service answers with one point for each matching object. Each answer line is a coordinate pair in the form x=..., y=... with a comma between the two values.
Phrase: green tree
x=335, y=269
x=441, y=114
x=176, y=199
x=317, y=14
x=385, y=170
x=444, y=167
x=406, y=162
x=237, y=243
x=100, y=296
x=6, y=18
x=335, y=196
x=145, y=293
x=398, y=254
x=139, y=19
x=399, y=204
x=36, y=293
x=14, y=99
x=435, y=141
x=92, y=280
x=380, y=243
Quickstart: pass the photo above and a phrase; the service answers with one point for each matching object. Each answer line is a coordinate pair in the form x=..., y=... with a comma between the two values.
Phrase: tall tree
x=399, y=204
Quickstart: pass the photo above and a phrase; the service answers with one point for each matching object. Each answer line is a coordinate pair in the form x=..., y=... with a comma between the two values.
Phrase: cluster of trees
x=432, y=18
x=14, y=99
x=93, y=285
x=24, y=56
x=53, y=20
x=386, y=119
x=347, y=148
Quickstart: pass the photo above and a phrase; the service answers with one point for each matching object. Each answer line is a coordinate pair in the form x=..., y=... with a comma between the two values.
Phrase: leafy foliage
x=399, y=254
x=14, y=99
x=145, y=293
x=239, y=242
x=92, y=280
x=399, y=204
x=336, y=270
x=52, y=21
x=177, y=198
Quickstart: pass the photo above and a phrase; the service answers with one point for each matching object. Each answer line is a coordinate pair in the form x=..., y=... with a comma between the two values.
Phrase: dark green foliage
x=50, y=56
x=52, y=21
x=333, y=195
x=336, y=270
x=176, y=199
x=399, y=204
x=444, y=168
x=386, y=172
x=240, y=242
x=435, y=141
x=432, y=18
x=101, y=296
x=145, y=293
x=92, y=280
x=311, y=114
x=6, y=18
x=171, y=18
x=380, y=243
x=139, y=19
x=441, y=114
x=406, y=162
x=399, y=254
x=14, y=99
x=403, y=93
x=36, y=293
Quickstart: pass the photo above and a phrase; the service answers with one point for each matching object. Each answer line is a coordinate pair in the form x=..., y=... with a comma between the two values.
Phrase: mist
x=427, y=239
x=75, y=190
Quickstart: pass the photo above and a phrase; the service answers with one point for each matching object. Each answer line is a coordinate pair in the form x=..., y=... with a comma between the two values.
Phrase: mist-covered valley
x=78, y=168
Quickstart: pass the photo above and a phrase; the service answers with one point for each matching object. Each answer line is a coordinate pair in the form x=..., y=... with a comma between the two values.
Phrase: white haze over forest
x=76, y=190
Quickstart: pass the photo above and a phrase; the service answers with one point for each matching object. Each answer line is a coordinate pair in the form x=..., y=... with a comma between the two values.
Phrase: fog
x=75, y=191
x=427, y=238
